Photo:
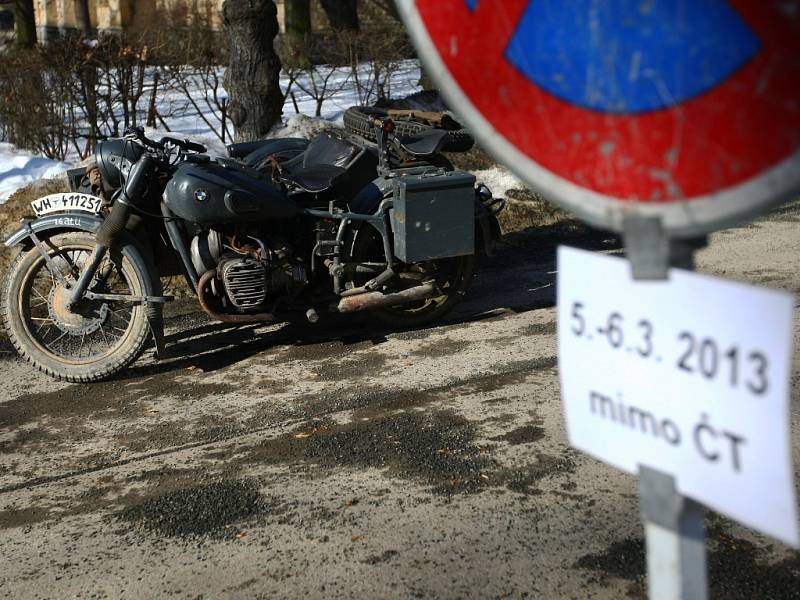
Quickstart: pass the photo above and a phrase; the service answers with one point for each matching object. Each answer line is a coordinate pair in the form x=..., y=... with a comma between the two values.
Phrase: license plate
x=70, y=202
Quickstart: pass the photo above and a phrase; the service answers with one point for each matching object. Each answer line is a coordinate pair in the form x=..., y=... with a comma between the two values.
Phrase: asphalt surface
x=343, y=461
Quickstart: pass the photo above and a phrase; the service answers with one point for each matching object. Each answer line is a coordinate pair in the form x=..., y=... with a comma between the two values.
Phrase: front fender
x=71, y=221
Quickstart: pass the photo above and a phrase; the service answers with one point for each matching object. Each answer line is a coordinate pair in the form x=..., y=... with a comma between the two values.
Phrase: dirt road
x=340, y=461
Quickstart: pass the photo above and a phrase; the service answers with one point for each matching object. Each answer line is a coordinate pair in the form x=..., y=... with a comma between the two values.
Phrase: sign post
x=664, y=122
x=675, y=537
x=674, y=525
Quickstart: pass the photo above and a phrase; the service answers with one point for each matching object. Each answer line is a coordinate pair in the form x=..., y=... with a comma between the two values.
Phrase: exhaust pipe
x=377, y=299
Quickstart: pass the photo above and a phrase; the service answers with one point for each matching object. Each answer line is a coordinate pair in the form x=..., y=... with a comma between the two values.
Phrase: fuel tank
x=223, y=192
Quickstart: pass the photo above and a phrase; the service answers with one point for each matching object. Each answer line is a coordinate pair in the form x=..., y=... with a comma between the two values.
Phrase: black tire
x=17, y=310
x=454, y=277
x=357, y=121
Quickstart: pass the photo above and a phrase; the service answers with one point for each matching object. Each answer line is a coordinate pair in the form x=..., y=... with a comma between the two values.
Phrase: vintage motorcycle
x=335, y=224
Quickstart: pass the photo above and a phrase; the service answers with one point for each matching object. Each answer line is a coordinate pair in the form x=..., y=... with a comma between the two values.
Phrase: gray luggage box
x=434, y=216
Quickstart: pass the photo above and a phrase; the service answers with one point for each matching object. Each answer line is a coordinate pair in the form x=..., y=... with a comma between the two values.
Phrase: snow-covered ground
x=198, y=118
x=499, y=180
x=18, y=168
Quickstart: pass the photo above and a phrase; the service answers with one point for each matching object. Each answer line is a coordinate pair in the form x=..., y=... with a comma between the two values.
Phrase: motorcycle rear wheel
x=452, y=275
x=90, y=343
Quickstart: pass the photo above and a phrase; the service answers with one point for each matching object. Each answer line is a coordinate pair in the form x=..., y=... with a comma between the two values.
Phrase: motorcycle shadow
x=521, y=277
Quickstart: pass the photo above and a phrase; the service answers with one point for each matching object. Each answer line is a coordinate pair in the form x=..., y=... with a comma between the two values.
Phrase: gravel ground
x=343, y=461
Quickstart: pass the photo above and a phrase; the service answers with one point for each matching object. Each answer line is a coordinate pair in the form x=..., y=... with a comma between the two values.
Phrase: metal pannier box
x=434, y=216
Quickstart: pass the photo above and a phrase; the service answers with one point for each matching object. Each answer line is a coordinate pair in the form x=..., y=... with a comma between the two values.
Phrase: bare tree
x=87, y=74
x=298, y=33
x=374, y=57
x=252, y=78
x=210, y=104
x=342, y=14
x=25, y=23
x=82, y=18
x=319, y=82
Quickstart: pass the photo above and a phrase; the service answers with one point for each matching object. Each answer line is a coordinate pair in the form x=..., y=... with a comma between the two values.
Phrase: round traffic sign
x=684, y=110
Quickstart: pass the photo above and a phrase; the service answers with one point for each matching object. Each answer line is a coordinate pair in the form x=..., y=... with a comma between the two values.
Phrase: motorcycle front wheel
x=93, y=340
x=451, y=275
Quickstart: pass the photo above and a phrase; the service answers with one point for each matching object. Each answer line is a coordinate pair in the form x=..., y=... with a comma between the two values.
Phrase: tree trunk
x=298, y=32
x=25, y=23
x=389, y=7
x=88, y=75
x=82, y=19
x=342, y=14
x=252, y=78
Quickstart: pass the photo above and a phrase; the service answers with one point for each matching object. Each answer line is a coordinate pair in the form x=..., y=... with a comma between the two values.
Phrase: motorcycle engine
x=248, y=275
x=245, y=281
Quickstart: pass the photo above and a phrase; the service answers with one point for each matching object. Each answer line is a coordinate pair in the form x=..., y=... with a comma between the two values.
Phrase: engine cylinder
x=245, y=281
x=206, y=249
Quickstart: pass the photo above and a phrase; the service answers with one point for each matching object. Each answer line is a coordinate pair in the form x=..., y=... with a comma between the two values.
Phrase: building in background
x=56, y=17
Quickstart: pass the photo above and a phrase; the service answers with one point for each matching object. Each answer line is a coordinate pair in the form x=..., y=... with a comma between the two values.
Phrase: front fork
x=106, y=238
x=114, y=225
x=90, y=268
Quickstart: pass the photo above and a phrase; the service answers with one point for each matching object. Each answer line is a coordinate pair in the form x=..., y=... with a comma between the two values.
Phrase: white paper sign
x=689, y=376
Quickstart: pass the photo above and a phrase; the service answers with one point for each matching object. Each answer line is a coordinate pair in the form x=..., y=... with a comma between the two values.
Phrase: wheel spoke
x=92, y=330
x=58, y=338
x=83, y=338
x=103, y=333
x=43, y=325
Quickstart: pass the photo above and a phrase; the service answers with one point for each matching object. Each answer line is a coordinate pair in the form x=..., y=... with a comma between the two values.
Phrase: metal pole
x=675, y=539
x=673, y=524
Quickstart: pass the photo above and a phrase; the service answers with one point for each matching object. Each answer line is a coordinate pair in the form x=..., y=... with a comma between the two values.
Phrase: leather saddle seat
x=331, y=147
x=323, y=166
x=316, y=179
x=331, y=163
x=318, y=169
x=424, y=144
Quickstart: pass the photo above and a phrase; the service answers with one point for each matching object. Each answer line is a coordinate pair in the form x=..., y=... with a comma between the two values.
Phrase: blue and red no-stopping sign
x=689, y=110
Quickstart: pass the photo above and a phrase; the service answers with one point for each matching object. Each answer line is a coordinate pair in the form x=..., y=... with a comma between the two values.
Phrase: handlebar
x=186, y=145
x=137, y=133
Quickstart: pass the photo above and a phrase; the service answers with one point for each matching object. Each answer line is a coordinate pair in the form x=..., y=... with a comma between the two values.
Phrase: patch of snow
x=499, y=180
x=18, y=168
x=300, y=126
x=343, y=91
